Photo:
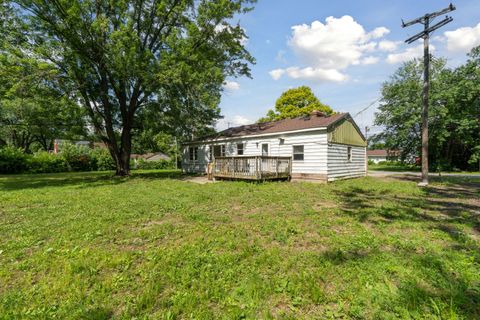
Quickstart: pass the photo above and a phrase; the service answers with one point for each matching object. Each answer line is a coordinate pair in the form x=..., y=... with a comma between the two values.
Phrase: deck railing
x=252, y=167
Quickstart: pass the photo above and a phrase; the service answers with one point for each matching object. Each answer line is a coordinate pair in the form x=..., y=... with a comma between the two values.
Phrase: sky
x=343, y=50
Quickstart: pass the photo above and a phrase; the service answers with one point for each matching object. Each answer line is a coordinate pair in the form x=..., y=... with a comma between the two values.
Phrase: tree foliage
x=35, y=106
x=294, y=103
x=166, y=58
x=454, y=119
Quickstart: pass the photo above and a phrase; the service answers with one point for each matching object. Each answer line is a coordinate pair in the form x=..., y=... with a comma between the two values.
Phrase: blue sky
x=343, y=50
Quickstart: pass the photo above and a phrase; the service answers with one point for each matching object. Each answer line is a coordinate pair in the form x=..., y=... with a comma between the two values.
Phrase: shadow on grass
x=451, y=206
x=80, y=179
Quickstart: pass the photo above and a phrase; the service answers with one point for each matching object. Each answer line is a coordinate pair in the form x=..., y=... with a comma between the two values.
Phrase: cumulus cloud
x=276, y=74
x=231, y=85
x=234, y=121
x=408, y=54
x=387, y=45
x=315, y=74
x=369, y=60
x=463, y=39
x=328, y=48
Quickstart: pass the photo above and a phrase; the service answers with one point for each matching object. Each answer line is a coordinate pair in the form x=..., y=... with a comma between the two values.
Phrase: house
x=151, y=156
x=382, y=155
x=314, y=147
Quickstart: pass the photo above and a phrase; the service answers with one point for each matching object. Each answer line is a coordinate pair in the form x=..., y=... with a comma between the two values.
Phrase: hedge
x=71, y=158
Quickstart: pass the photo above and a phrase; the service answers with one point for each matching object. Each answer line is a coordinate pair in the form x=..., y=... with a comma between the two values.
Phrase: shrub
x=44, y=162
x=78, y=158
x=13, y=160
x=103, y=159
x=159, y=164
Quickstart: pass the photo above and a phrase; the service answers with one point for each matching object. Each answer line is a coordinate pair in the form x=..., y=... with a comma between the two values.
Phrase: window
x=240, y=149
x=349, y=154
x=265, y=149
x=193, y=153
x=298, y=153
x=210, y=153
x=219, y=151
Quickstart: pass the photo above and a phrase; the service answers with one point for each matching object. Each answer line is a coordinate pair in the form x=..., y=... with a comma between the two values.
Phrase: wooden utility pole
x=425, y=34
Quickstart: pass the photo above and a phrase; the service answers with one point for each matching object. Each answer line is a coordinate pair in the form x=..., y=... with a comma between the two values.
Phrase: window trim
x=193, y=154
x=242, y=148
x=298, y=153
x=268, y=147
x=222, y=150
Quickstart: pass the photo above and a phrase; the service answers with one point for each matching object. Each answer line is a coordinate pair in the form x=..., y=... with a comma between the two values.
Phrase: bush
x=159, y=164
x=78, y=158
x=44, y=162
x=103, y=159
x=13, y=160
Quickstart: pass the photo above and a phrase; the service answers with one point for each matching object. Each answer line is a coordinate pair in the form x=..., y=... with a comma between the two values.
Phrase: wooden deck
x=252, y=168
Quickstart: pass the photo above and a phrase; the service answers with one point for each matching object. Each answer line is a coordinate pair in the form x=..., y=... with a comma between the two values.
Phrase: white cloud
x=378, y=33
x=338, y=43
x=231, y=85
x=235, y=121
x=276, y=74
x=327, y=48
x=463, y=39
x=408, y=54
x=316, y=74
x=370, y=60
x=386, y=45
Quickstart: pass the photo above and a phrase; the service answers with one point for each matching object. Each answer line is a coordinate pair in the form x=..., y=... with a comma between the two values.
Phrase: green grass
x=393, y=166
x=89, y=246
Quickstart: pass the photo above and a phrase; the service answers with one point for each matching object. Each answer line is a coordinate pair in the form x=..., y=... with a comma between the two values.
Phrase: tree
x=454, y=120
x=125, y=57
x=295, y=103
x=34, y=109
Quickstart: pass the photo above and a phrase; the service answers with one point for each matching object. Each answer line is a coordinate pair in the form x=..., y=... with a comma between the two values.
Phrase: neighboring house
x=320, y=147
x=58, y=143
x=152, y=156
x=382, y=155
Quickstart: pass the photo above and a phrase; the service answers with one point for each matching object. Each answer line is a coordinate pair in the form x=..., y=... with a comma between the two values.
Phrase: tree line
x=454, y=120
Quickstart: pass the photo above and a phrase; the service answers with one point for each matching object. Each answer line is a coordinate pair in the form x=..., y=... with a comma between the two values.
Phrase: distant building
x=152, y=156
x=382, y=155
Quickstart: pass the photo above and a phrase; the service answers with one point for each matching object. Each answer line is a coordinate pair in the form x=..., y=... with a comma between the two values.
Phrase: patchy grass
x=89, y=246
x=393, y=166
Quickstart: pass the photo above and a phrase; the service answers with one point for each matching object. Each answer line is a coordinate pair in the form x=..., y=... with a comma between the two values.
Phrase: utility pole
x=425, y=34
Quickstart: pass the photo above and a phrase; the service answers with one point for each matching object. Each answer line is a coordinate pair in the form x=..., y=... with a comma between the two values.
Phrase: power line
x=425, y=34
x=366, y=108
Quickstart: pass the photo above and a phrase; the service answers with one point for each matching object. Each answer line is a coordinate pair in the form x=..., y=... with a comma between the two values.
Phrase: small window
x=298, y=153
x=210, y=153
x=240, y=149
x=349, y=154
x=193, y=153
x=265, y=149
x=219, y=151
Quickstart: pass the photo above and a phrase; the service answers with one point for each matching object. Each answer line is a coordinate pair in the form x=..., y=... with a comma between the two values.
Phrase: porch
x=252, y=168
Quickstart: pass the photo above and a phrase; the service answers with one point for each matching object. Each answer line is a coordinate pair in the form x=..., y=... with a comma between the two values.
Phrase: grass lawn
x=393, y=166
x=88, y=246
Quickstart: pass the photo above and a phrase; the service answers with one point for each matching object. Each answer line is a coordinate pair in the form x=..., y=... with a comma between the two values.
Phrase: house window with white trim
x=193, y=153
x=219, y=150
x=349, y=154
x=264, y=149
x=298, y=153
x=240, y=149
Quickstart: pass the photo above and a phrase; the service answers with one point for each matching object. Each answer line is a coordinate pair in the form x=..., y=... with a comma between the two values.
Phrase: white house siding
x=338, y=165
x=314, y=142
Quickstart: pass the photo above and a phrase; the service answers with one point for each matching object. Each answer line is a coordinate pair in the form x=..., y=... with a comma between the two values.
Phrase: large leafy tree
x=125, y=57
x=34, y=108
x=454, y=119
x=294, y=103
